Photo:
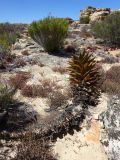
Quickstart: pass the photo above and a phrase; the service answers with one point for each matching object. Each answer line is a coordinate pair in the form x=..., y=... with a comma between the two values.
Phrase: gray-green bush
x=49, y=33
x=109, y=28
x=6, y=97
x=85, y=20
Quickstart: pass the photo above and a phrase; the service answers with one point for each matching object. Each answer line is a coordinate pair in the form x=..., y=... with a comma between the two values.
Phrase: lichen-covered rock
x=111, y=129
x=82, y=30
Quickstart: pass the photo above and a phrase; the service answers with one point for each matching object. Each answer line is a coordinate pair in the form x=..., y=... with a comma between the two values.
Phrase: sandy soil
x=83, y=145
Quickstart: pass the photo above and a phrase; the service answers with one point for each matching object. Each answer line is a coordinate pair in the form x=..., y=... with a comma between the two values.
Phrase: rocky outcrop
x=111, y=129
x=82, y=30
x=95, y=14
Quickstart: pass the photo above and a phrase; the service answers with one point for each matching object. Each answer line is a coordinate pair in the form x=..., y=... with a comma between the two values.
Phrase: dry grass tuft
x=35, y=62
x=43, y=90
x=18, y=81
x=112, y=83
x=32, y=148
x=25, y=52
x=59, y=69
x=58, y=99
x=19, y=62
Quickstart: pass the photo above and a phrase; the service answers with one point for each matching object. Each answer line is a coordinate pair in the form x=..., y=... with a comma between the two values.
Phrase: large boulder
x=94, y=14
x=99, y=15
x=111, y=129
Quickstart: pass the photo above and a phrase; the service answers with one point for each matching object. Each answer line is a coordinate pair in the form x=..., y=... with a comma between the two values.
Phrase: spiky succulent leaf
x=84, y=75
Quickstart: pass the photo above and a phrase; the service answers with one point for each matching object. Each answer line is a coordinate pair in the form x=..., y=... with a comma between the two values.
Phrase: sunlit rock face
x=95, y=14
x=111, y=129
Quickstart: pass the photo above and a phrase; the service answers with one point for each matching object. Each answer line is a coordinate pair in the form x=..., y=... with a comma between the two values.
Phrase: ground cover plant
x=8, y=35
x=18, y=81
x=32, y=148
x=111, y=84
x=59, y=69
x=43, y=89
x=84, y=20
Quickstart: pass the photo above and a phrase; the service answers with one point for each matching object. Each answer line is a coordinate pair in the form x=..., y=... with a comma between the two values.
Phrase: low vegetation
x=58, y=99
x=18, y=81
x=6, y=97
x=84, y=20
x=59, y=69
x=109, y=29
x=32, y=148
x=9, y=33
x=43, y=89
x=49, y=33
x=111, y=84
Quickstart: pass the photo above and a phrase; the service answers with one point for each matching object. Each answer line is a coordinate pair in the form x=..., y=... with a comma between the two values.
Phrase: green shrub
x=9, y=33
x=90, y=7
x=49, y=33
x=7, y=39
x=85, y=20
x=85, y=78
x=109, y=28
x=6, y=97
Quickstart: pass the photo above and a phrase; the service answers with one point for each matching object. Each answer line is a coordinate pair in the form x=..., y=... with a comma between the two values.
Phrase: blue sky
x=25, y=11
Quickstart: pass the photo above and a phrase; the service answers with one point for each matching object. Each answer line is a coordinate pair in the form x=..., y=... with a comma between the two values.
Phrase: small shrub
x=6, y=97
x=70, y=48
x=113, y=74
x=41, y=90
x=110, y=60
x=35, y=62
x=112, y=83
x=49, y=33
x=58, y=99
x=5, y=57
x=33, y=91
x=90, y=7
x=85, y=20
x=109, y=29
x=70, y=20
x=84, y=78
x=111, y=87
x=25, y=52
x=32, y=148
x=18, y=81
x=19, y=62
x=59, y=69
x=8, y=34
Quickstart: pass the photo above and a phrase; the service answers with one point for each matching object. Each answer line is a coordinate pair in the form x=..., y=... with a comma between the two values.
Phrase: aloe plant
x=84, y=78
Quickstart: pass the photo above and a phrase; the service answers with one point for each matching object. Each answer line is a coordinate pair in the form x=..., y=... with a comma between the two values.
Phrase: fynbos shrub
x=84, y=78
x=109, y=29
x=8, y=34
x=32, y=148
x=111, y=84
x=49, y=33
x=6, y=97
x=84, y=20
